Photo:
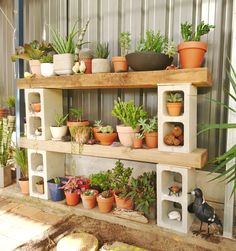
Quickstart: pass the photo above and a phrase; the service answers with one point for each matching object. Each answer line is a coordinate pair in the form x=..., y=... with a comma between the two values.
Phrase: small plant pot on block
x=40, y=187
x=174, y=109
x=47, y=69
x=36, y=107
x=5, y=176
x=124, y=203
x=58, y=132
x=126, y=134
x=151, y=139
x=63, y=63
x=101, y=65
x=35, y=67
x=120, y=64
x=24, y=186
x=89, y=198
x=72, y=199
x=105, y=204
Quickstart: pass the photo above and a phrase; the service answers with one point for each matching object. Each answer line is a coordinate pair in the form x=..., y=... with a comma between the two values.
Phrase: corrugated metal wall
x=107, y=19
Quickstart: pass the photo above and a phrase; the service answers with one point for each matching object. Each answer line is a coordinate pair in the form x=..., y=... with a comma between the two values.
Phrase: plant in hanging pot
x=54, y=184
x=46, y=66
x=174, y=103
x=105, y=201
x=192, y=50
x=89, y=198
x=150, y=131
x=120, y=63
x=106, y=135
x=138, y=140
x=129, y=114
x=154, y=52
x=101, y=63
x=20, y=158
x=59, y=130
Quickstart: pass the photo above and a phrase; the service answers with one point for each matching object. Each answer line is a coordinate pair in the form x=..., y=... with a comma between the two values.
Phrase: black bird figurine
x=203, y=211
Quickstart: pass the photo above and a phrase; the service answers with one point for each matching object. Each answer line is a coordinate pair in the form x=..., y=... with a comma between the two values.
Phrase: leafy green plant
x=57, y=180
x=124, y=40
x=188, y=34
x=11, y=101
x=100, y=181
x=98, y=123
x=148, y=125
x=76, y=113
x=59, y=120
x=106, y=129
x=102, y=50
x=174, y=97
x=20, y=157
x=228, y=158
x=128, y=113
x=46, y=59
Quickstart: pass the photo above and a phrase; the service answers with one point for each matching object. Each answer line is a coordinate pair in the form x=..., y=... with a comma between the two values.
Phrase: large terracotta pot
x=72, y=199
x=174, y=109
x=120, y=64
x=24, y=186
x=35, y=67
x=126, y=134
x=124, y=203
x=151, y=139
x=63, y=63
x=106, y=138
x=101, y=65
x=74, y=130
x=105, y=204
x=192, y=53
x=89, y=201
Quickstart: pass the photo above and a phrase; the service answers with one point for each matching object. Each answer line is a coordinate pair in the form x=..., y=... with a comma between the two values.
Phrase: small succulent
x=124, y=40
x=139, y=135
x=106, y=194
x=89, y=192
x=46, y=59
x=174, y=97
x=57, y=180
x=106, y=129
x=102, y=50
x=97, y=123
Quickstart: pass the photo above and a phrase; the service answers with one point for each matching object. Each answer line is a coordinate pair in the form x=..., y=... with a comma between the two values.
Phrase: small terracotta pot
x=24, y=186
x=192, y=53
x=35, y=67
x=40, y=188
x=89, y=201
x=95, y=131
x=3, y=112
x=88, y=64
x=105, y=204
x=120, y=64
x=36, y=107
x=137, y=143
x=72, y=199
x=151, y=139
x=106, y=138
x=124, y=203
x=126, y=134
x=174, y=109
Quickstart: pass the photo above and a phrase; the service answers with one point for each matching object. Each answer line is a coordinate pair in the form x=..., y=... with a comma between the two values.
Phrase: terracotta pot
x=35, y=67
x=137, y=143
x=106, y=138
x=120, y=64
x=47, y=69
x=174, y=109
x=126, y=134
x=72, y=199
x=192, y=53
x=101, y=65
x=40, y=188
x=105, y=204
x=88, y=64
x=24, y=186
x=89, y=201
x=95, y=131
x=36, y=107
x=58, y=132
x=3, y=113
x=124, y=203
x=151, y=139
x=63, y=63
x=74, y=127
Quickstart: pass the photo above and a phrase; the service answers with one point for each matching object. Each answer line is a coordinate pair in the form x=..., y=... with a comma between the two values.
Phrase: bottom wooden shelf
x=196, y=159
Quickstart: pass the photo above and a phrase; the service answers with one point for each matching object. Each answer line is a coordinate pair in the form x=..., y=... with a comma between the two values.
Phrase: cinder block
x=51, y=103
x=188, y=119
x=167, y=176
x=53, y=166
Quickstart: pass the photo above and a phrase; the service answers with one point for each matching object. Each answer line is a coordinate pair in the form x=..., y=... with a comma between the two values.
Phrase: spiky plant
x=102, y=50
x=20, y=157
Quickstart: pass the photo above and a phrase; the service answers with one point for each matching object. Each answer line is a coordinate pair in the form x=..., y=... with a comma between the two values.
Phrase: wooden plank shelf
x=200, y=77
x=195, y=159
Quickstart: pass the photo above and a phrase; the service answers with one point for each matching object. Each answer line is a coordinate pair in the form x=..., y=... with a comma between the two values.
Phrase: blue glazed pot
x=56, y=193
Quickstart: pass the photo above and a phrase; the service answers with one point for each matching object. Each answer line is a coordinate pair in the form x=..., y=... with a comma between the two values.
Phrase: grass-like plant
x=76, y=113
x=20, y=157
x=124, y=40
x=59, y=120
x=102, y=50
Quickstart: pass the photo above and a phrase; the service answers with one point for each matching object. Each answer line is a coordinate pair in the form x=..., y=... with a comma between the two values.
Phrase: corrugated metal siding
x=107, y=19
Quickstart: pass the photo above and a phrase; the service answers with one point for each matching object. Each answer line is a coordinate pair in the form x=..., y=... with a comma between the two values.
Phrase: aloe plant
x=59, y=120
x=102, y=50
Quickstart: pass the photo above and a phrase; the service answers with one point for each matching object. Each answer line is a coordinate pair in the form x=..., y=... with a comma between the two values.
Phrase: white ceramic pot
x=101, y=65
x=58, y=132
x=35, y=67
x=47, y=69
x=63, y=63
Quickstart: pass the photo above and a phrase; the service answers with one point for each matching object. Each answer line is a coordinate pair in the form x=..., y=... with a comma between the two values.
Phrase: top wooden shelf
x=200, y=77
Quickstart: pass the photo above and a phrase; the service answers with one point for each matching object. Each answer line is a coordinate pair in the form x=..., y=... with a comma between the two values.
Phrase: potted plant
x=54, y=184
x=89, y=198
x=97, y=124
x=11, y=103
x=85, y=55
x=129, y=114
x=59, y=130
x=143, y=193
x=100, y=181
x=138, y=140
x=154, y=52
x=46, y=66
x=84, y=183
x=106, y=135
x=120, y=177
x=5, y=144
x=150, y=131
x=105, y=201
x=101, y=63
x=40, y=186
x=174, y=103
x=192, y=50
x=120, y=63
x=72, y=191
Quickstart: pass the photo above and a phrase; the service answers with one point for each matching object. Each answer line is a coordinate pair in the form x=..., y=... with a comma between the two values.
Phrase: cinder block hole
x=38, y=184
x=33, y=97
x=171, y=180
x=173, y=134
x=173, y=108
x=36, y=162
x=34, y=124
x=167, y=208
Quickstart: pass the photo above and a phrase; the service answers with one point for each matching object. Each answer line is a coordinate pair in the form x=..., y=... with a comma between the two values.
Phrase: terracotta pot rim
x=118, y=59
x=192, y=45
x=23, y=179
x=126, y=129
x=151, y=134
x=77, y=123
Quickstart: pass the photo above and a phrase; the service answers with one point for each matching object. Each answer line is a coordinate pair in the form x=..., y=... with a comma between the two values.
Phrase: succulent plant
x=174, y=97
x=97, y=123
x=106, y=194
x=106, y=129
x=124, y=40
x=149, y=125
x=102, y=50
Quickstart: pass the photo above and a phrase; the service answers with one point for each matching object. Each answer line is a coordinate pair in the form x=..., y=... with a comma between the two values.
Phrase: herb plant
x=149, y=125
x=124, y=40
x=174, y=97
x=60, y=119
x=189, y=35
x=102, y=50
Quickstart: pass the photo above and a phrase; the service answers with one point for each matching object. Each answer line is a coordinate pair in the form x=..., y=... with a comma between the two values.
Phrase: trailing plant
x=100, y=181
x=102, y=50
x=174, y=97
x=124, y=40
x=76, y=114
x=188, y=34
x=106, y=129
x=148, y=125
x=128, y=113
x=46, y=59
x=60, y=120
x=228, y=157
x=20, y=158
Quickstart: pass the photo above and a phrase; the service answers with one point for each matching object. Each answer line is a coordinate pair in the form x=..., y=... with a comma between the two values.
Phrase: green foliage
x=174, y=97
x=188, y=33
x=148, y=125
x=100, y=181
x=124, y=40
x=20, y=157
x=76, y=113
x=139, y=135
x=102, y=50
x=128, y=113
x=46, y=59
x=106, y=129
x=89, y=192
x=97, y=123
x=57, y=180
x=11, y=101
x=59, y=120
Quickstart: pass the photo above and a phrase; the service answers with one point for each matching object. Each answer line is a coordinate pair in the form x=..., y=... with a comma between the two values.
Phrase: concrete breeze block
x=188, y=118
